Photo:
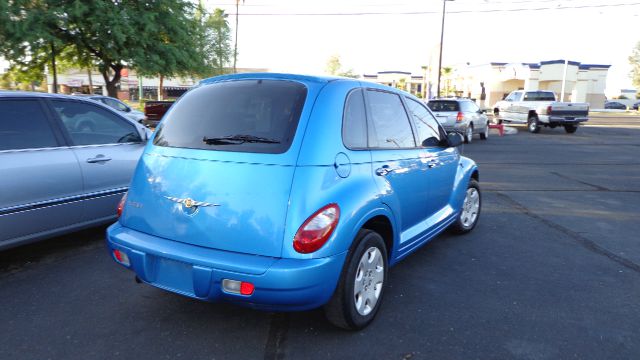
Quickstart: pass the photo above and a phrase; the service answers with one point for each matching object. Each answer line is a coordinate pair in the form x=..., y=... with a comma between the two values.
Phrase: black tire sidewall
x=353, y=318
x=533, y=120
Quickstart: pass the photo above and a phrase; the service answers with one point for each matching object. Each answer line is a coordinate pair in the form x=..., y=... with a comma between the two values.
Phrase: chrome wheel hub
x=368, y=281
x=470, y=208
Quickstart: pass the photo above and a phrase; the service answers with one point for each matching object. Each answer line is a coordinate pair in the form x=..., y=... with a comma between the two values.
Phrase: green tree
x=334, y=67
x=634, y=60
x=216, y=43
x=155, y=37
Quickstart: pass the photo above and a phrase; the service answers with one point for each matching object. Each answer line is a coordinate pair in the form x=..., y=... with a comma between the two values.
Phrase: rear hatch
x=219, y=171
x=446, y=111
x=569, y=109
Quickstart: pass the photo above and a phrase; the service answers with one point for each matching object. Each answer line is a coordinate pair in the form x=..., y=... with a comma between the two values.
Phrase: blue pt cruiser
x=286, y=192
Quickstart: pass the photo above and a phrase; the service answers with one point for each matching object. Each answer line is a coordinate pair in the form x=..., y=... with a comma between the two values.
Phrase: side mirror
x=144, y=133
x=455, y=139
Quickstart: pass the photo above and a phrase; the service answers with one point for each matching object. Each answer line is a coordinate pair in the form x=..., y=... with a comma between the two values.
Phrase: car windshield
x=245, y=115
x=444, y=105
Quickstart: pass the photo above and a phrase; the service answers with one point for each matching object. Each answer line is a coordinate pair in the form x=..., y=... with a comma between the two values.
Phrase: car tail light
x=459, y=117
x=121, y=204
x=549, y=109
x=238, y=287
x=121, y=257
x=317, y=229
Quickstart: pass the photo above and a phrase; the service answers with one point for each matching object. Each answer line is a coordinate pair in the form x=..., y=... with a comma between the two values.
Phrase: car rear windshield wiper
x=238, y=139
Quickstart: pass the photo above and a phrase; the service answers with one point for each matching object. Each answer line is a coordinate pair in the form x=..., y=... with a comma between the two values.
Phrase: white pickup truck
x=540, y=108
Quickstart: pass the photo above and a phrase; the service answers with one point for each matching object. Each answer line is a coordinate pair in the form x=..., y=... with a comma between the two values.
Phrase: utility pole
x=564, y=79
x=444, y=10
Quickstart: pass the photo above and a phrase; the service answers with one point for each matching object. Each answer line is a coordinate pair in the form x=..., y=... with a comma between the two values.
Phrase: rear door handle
x=98, y=159
x=433, y=163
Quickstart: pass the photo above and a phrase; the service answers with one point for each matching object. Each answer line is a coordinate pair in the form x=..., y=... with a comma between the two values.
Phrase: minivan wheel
x=471, y=207
x=534, y=126
x=359, y=294
x=485, y=134
x=468, y=135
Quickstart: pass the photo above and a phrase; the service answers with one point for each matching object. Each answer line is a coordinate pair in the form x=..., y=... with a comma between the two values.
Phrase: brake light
x=549, y=109
x=121, y=204
x=317, y=229
x=459, y=117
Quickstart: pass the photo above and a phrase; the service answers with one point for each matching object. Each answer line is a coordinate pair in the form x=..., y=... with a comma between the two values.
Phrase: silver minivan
x=461, y=115
x=64, y=164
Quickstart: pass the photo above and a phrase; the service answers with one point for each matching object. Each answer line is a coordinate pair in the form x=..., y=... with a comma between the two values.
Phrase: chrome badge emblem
x=190, y=204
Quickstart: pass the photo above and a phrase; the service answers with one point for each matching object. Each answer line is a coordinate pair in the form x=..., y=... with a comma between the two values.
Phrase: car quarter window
x=426, y=124
x=354, y=123
x=24, y=125
x=89, y=124
x=389, y=124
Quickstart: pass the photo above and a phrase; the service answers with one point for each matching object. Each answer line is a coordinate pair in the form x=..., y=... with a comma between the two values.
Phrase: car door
x=398, y=168
x=40, y=181
x=107, y=147
x=441, y=163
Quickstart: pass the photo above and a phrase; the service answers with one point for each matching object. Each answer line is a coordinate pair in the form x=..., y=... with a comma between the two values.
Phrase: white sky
x=476, y=31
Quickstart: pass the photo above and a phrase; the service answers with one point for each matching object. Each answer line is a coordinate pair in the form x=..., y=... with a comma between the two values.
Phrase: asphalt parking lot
x=551, y=272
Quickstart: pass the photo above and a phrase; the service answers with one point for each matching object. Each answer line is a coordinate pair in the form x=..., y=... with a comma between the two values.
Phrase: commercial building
x=490, y=83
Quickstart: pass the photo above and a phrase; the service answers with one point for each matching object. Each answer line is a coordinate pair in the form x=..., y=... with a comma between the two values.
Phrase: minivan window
x=443, y=105
x=259, y=116
x=426, y=124
x=354, y=124
x=23, y=125
x=89, y=124
x=389, y=121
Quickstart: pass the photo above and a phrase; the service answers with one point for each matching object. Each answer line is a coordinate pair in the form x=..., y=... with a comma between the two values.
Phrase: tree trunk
x=90, y=81
x=53, y=69
x=111, y=84
x=160, y=86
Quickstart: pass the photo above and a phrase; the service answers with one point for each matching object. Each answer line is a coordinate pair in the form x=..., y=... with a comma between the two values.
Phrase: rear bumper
x=567, y=119
x=197, y=272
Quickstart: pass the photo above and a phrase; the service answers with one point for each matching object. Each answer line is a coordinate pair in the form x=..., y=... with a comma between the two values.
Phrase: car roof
x=277, y=76
x=35, y=94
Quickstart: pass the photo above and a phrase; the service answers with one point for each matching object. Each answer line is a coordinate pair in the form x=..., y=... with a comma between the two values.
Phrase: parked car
x=635, y=106
x=65, y=163
x=461, y=115
x=614, y=105
x=289, y=192
x=126, y=110
x=155, y=110
x=538, y=108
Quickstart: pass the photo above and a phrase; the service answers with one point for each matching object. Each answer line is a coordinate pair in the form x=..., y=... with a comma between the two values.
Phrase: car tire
x=360, y=290
x=485, y=134
x=471, y=207
x=468, y=134
x=570, y=129
x=533, y=125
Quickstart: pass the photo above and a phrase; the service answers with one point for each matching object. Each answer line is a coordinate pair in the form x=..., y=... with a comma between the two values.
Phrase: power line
x=448, y=12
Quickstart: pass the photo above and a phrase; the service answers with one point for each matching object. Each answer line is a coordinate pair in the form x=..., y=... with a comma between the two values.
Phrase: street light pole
x=444, y=10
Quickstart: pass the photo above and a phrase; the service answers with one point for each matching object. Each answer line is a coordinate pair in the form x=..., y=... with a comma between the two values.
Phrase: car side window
x=389, y=123
x=426, y=124
x=472, y=106
x=354, y=122
x=88, y=124
x=115, y=104
x=24, y=125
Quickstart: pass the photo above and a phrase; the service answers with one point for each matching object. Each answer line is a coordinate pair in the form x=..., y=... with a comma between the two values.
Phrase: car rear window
x=436, y=105
x=259, y=116
x=539, y=96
